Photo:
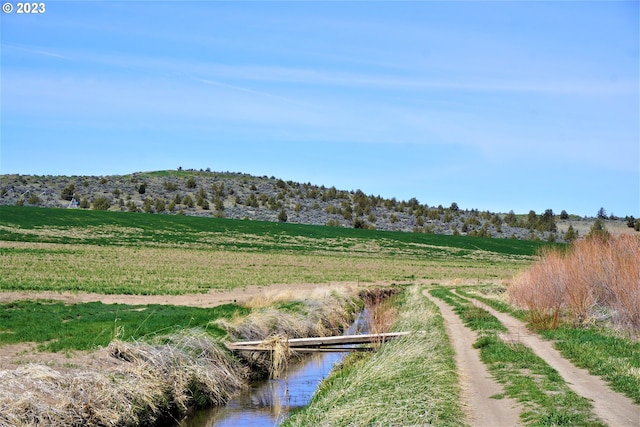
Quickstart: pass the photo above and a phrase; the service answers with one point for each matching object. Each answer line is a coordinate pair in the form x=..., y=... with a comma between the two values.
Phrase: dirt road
x=211, y=298
x=611, y=407
x=476, y=382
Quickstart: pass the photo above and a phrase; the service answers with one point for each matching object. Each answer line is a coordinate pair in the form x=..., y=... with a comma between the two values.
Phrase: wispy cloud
x=10, y=48
x=531, y=86
x=209, y=72
x=250, y=91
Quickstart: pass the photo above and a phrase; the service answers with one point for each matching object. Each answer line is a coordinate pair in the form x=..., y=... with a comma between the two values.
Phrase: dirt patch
x=14, y=355
x=205, y=300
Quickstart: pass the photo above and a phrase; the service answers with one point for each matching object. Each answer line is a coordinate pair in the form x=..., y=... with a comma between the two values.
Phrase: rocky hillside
x=242, y=196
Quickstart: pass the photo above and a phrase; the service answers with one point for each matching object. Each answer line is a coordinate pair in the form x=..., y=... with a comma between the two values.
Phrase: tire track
x=477, y=384
x=611, y=407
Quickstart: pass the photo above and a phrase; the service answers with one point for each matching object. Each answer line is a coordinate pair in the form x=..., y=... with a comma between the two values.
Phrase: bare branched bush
x=541, y=290
x=597, y=278
x=625, y=279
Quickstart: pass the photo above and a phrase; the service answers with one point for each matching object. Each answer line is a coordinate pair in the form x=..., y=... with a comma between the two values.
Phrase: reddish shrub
x=594, y=275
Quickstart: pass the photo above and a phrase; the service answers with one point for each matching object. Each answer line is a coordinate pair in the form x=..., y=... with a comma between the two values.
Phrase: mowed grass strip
x=408, y=381
x=56, y=326
x=547, y=399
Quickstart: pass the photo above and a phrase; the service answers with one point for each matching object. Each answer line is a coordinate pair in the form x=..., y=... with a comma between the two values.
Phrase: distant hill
x=242, y=196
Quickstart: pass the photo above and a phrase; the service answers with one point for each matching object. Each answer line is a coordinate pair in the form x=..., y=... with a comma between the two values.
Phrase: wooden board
x=295, y=343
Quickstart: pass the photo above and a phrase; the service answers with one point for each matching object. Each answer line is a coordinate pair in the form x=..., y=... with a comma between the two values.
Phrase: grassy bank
x=526, y=377
x=409, y=381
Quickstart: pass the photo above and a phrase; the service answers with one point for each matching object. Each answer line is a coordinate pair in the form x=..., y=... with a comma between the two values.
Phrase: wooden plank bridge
x=319, y=344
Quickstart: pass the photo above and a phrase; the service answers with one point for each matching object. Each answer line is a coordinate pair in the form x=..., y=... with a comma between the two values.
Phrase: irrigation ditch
x=164, y=380
x=296, y=367
x=290, y=384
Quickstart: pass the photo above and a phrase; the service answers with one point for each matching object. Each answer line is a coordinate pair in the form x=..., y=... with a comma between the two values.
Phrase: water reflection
x=268, y=402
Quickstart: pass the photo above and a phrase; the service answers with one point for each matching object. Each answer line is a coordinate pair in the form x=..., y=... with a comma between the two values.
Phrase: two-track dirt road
x=612, y=408
x=476, y=382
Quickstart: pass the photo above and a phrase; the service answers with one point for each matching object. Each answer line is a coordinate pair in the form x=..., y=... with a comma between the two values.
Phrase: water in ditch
x=268, y=402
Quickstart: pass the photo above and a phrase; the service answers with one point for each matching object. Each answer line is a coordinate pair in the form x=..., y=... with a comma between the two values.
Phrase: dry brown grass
x=144, y=384
x=595, y=278
x=321, y=311
x=279, y=354
x=381, y=312
x=40, y=395
x=195, y=368
x=317, y=312
x=178, y=270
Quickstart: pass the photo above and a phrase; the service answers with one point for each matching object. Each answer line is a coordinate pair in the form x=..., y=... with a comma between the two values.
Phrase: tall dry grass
x=144, y=385
x=380, y=312
x=314, y=312
x=596, y=278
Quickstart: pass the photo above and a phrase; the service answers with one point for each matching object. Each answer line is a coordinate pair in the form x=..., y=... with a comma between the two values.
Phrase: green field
x=132, y=253
x=56, y=326
x=65, y=250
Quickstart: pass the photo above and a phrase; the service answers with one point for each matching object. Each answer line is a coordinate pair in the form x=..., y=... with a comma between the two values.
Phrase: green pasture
x=29, y=224
x=134, y=253
x=56, y=326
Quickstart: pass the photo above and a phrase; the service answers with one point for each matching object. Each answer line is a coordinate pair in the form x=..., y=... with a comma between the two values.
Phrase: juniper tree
x=570, y=235
x=68, y=192
x=547, y=221
x=598, y=230
x=510, y=219
x=187, y=201
x=101, y=204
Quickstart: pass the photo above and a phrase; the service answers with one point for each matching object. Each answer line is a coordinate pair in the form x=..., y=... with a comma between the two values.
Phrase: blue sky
x=494, y=105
